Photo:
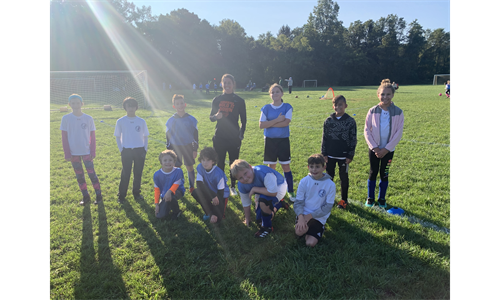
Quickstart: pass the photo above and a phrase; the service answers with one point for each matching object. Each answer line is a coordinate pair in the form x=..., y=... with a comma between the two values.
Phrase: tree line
x=181, y=49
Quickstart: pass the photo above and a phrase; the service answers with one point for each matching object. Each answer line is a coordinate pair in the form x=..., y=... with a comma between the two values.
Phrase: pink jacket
x=372, y=127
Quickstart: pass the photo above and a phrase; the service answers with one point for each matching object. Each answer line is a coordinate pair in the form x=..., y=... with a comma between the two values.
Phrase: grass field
x=123, y=251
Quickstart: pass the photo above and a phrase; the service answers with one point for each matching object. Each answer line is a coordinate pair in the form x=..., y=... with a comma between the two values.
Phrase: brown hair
x=386, y=83
x=339, y=98
x=130, y=101
x=177, y=97
x=275, y=85
x=239, y=165
x=230, y=77
x=208, y=153
x=168, y=152
x=314, y=159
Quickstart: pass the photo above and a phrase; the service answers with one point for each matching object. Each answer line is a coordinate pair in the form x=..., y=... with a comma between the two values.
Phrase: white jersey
x=315, y=197
x=78, y=128
x=131, y=131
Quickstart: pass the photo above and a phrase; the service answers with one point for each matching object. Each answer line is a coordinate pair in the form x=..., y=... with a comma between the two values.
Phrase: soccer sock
x=289, y=181
x=191, y=178
x=371, y=188
x=266, y=220
x=278, y=206
x=382, y=189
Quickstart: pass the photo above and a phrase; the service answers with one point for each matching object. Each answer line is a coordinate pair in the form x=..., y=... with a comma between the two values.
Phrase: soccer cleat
x=120, y=200
x=98, y=199
x=85, y=200
x=206, y=217
x=342, y=204
x=381, y=203
x=233, y=191
x=138, y=197
x=370, y=202
x=263, y=232
x=292, y=196
x=284, y=204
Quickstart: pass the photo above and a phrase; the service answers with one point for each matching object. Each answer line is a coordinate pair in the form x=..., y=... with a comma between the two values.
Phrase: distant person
x=168, y=187
x=215, y=88
x=280, y=81
x=207, y=88
x=395, y=85
x=290, y=84
x=201, y=88
x=383, y=131
x=447, y=88
x=194, y=88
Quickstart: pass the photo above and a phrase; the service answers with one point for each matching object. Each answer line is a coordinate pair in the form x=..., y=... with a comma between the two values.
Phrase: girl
x=383, y=131
x=275, y=119
x=227, y=108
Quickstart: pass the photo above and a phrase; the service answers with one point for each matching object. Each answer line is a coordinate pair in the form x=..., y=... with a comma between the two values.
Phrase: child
x=78, y=139
x=227, y=108
x=338, y=145
x=275, y=119
x=207, y=88
x=182, y=137
x=447, y=88
x=131, y=134
x=212, y=190
x=315, y=199
x=267, y=185
x=383, y=131
x=194, y=88
x=169, y=186
x=215, y=88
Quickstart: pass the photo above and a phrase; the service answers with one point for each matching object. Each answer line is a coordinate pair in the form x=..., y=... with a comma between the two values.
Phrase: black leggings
x=379, y=165
x=343, y=174
x=229, y=146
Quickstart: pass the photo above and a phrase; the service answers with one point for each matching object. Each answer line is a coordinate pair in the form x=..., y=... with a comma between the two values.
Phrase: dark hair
x=167, y=152
x=314, y=159
x=177, y=97
x=339, y=98
x=130, y=101
x=208, y=153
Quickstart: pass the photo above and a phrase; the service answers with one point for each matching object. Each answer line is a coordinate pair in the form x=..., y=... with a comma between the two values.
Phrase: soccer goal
x=440, y=79
x=310, y=83
x=99, y=88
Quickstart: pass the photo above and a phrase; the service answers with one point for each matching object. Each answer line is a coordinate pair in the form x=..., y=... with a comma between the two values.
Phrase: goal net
x=329, y=95
x=99, y=88
x=440, y=79
x=310, y=83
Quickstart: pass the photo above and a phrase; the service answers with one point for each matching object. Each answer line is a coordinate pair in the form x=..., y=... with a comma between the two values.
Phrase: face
x=385, y=96
x=276, y=94
x=207, y=164
x=340, y=108
x=245, y=176
x=75, y=104
x=167, y=163
x=228, y=85
x=316, y=170
x=179, y=105
x=130, y=109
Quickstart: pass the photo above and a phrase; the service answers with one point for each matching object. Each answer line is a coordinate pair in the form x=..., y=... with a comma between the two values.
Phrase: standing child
x=182, y=137
x=131, y=134
x=269, y=188
x=212, y=190
x=169, y=186
x=194, y=88
x=207, y=88
x=447, y=88
x=315, y=199
x=275, y=119
x=215, y=88
x=78, y=139
x=383, y=131
x=227, y=108
x=338, y=145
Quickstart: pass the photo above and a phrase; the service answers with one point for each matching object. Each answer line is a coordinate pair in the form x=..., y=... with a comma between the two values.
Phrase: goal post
x=440, y=79
x=310, y=83
x=99, y=88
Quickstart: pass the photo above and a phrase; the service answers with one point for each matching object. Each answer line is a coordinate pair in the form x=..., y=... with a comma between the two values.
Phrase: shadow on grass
x=98, y=278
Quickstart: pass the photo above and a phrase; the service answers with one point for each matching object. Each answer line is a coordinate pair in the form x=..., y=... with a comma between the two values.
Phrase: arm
x=92, y=144
x=368, y=131
x=353, y=140
x=65, y=142
x=398, y=134
x=119, y=143
x=243, y=118
x=195, y=141
x=215, y=113
x=146, y=143
x=274, y=123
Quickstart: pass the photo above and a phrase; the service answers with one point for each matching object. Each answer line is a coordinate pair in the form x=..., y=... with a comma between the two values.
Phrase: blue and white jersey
x=266, y=177
x=271, y=112
x=164, y=181
x=214, y=179
x=182, y=131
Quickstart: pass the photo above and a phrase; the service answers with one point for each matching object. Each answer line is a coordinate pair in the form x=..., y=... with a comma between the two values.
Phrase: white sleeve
x=289, y=114
x=271, y=183
x=263, y=117
x=221, y=185
x=245, y=200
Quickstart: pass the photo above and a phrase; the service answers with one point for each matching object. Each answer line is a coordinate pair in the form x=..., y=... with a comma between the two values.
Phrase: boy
x=131, y=134
x=169, y=186
x=207, y=88
x=338, y=145
x=182, y=137
x=269, y=188
x=212, y=191
x=315, y=199
x=78, y=139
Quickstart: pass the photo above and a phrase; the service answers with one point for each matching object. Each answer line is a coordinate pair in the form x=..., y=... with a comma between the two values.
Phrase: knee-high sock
x=371, y=188
x=382, y=189
x=266, y=220
x=289, y=181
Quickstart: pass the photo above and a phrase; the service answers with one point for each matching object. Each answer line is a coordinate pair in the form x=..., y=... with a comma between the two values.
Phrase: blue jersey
x=164, y=181
x=182, y=131
x=271, y=112
x=214, y=179
x=261, y=174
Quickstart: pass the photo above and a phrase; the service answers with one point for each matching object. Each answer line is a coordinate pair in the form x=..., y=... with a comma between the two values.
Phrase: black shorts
x=184, y=153
x=277, y=149
x=316, y=228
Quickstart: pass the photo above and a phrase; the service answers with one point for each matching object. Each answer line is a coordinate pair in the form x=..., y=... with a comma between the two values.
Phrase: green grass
x=123, y=251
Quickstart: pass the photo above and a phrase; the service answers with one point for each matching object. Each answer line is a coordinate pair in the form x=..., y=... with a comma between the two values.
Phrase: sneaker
x=291, y=196
x=206, y=217
x=232, y=191
x=85, y=200
x=263, y=232
x=284, y=204
x=342, y=204
x=370, y=202
x=138, y=197
x=98, y=199
x=120, y=200
x=382, y=203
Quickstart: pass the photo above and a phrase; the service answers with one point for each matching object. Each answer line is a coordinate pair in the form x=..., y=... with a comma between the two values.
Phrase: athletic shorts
x=277, y=149
x=268, y=201
x=316, y=228
x=184, y=153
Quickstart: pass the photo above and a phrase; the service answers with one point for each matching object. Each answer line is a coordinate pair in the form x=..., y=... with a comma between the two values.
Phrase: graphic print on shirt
x=138, y=128
x=226, y=107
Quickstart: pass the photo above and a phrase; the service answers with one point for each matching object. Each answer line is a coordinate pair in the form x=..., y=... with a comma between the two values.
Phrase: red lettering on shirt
x=226, y=107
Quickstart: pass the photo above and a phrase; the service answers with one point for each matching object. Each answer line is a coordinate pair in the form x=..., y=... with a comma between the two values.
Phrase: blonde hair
x=177, y=97
x=275, y=85
x=386, y=83
x=239, y=165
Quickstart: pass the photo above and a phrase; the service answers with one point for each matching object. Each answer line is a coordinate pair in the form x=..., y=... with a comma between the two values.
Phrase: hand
x=326, y=158
x=256, y=201
x=213, y=219
x=195, y=153
x=382, y=153
x=280, y=118
x=301, y=223
x=218, y=115
x=215, y=201
x=168, y=196
x=348, y=160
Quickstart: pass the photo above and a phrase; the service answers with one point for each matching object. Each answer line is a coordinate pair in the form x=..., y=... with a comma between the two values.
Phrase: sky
x=258, y=17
